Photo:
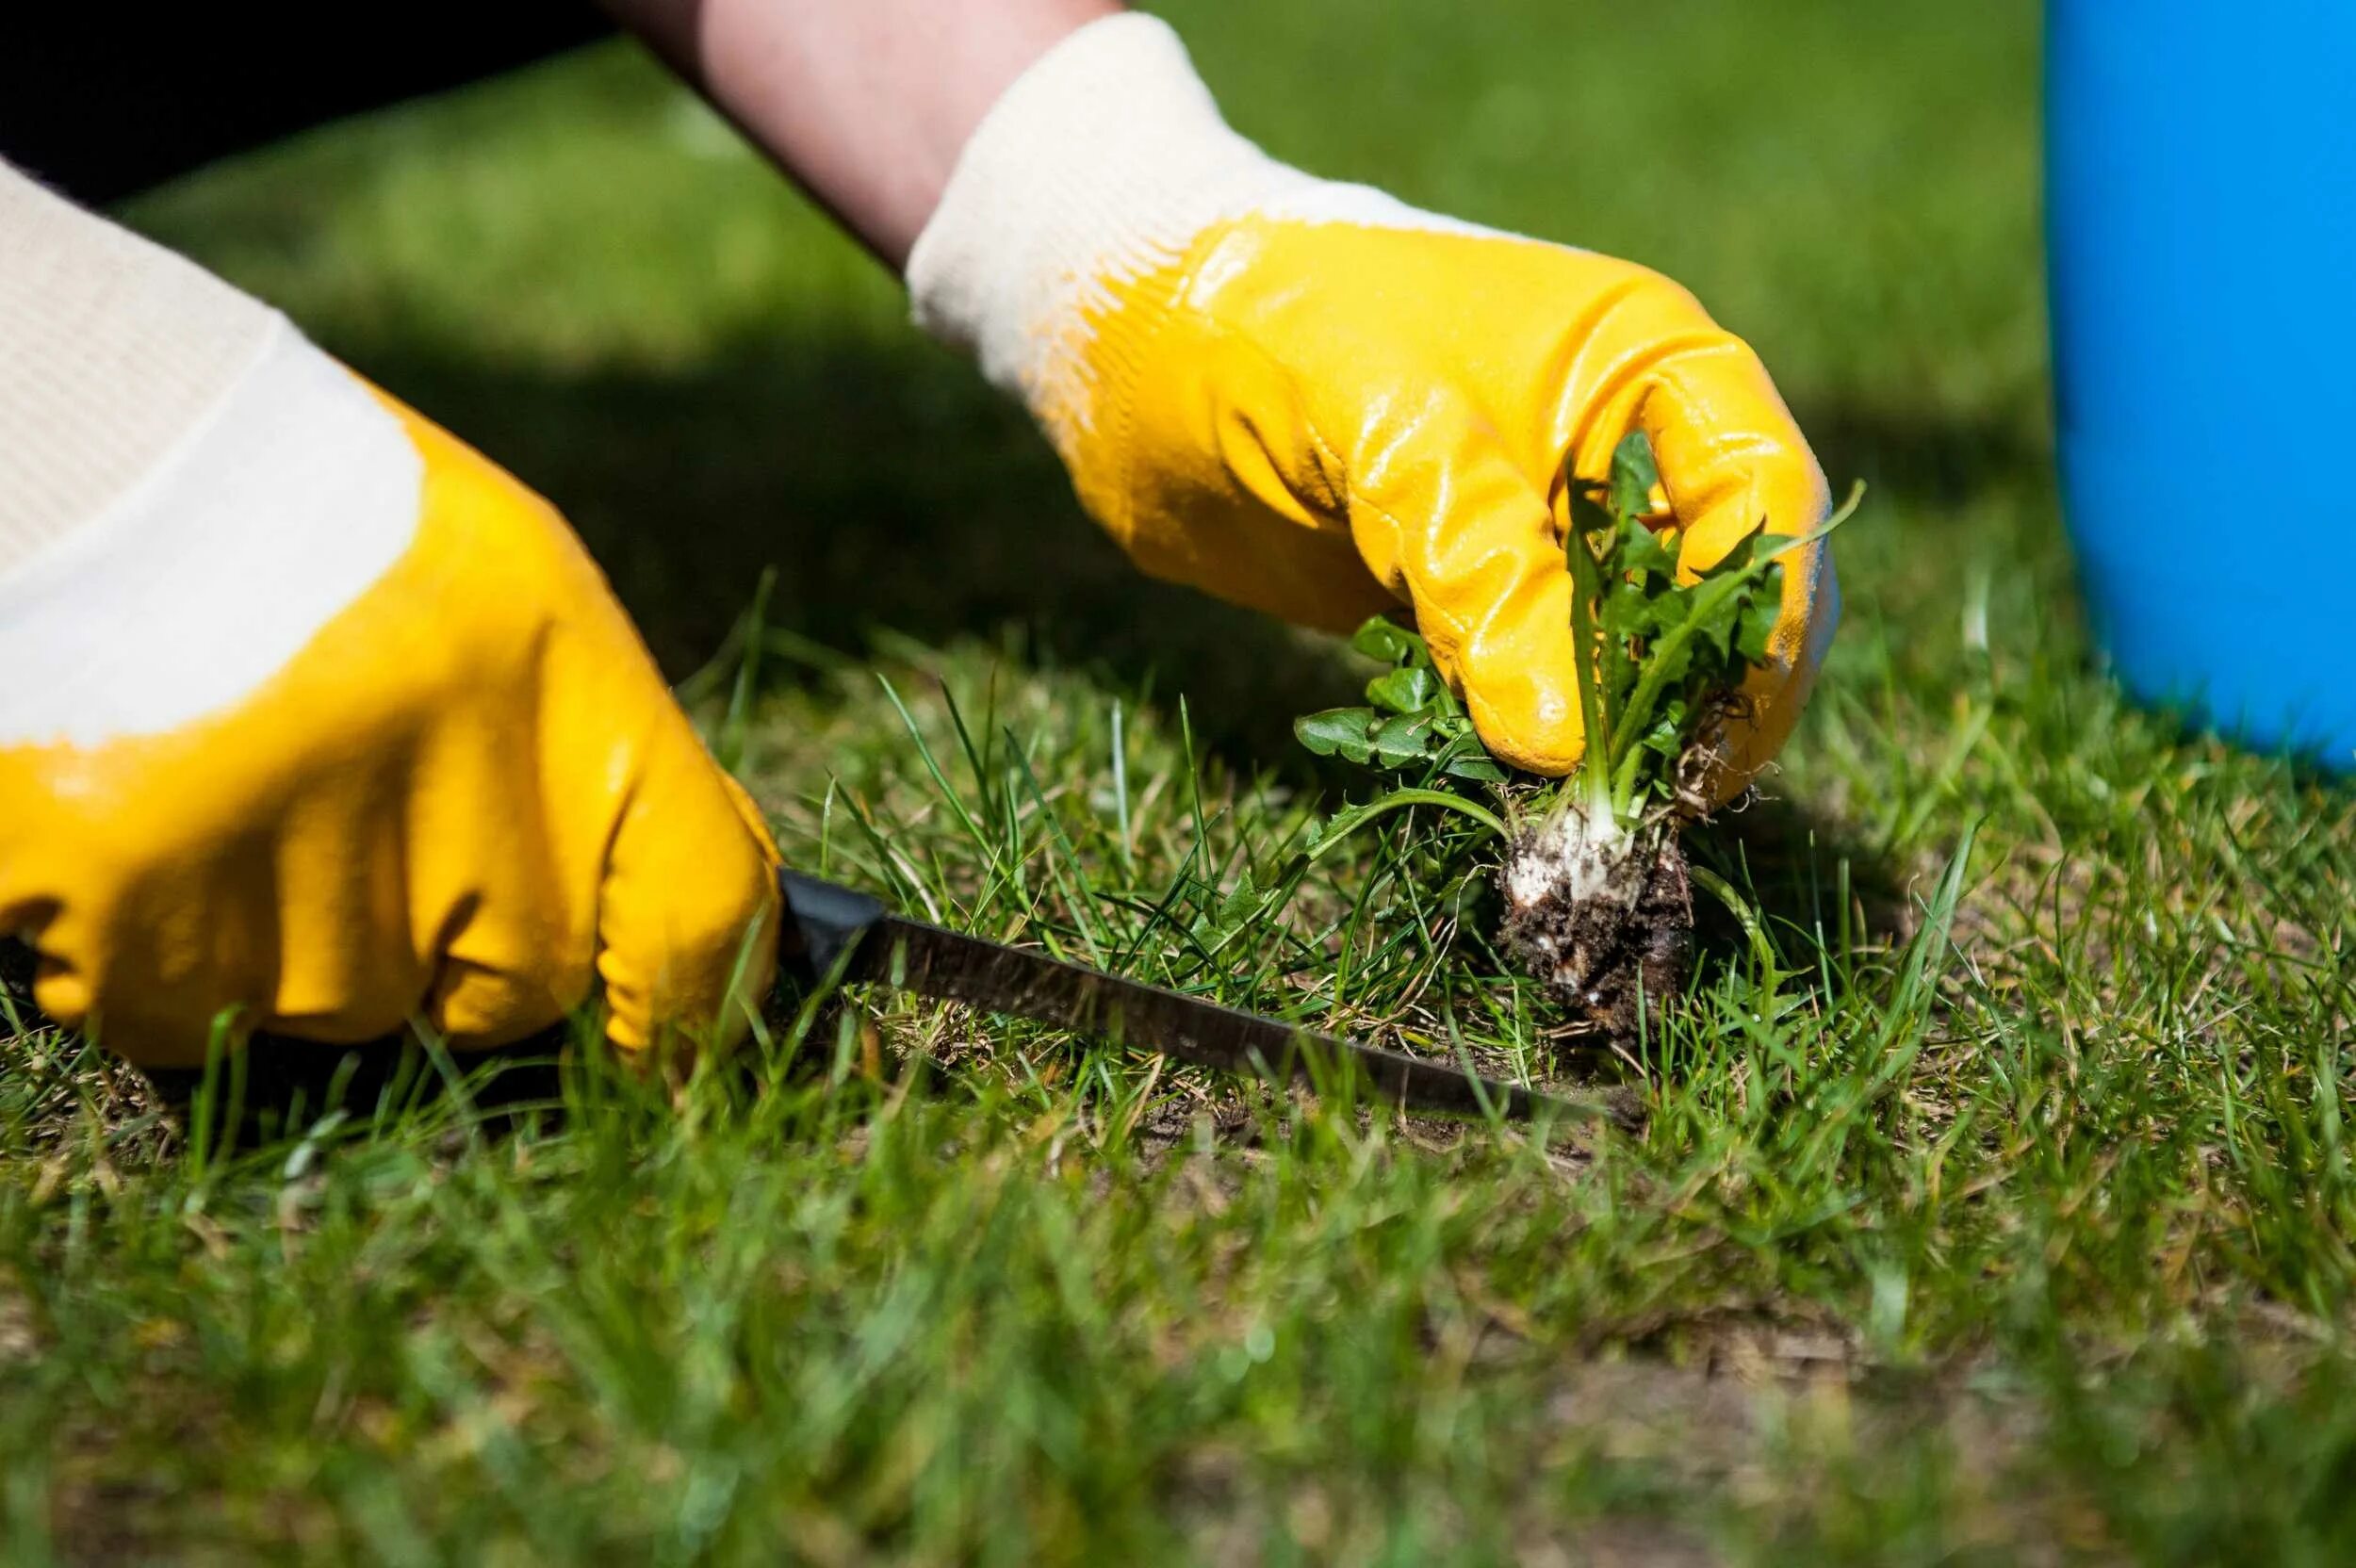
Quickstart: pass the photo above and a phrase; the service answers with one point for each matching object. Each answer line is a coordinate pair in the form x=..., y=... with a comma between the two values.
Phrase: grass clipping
x=1598, y=901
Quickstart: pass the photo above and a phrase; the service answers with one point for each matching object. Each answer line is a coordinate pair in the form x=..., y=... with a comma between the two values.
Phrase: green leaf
x=1670, y=657
x=1736, y=560
x=1343, y=733
x=1633, y=475
x=1241, y=904
x=1592, y=653
x=1633, y=612
x=1653, y=656
x=1674, y=660
x=1476, y=769
x=1713, y=642
x=1666, y=738
x=1760, y=613
x=1383, y=638
x=1643, y=554
x=1404, y=690
x=1403, y=739
x=1590, y=522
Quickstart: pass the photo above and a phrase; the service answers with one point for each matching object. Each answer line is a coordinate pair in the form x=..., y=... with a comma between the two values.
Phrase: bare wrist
x=865, y=103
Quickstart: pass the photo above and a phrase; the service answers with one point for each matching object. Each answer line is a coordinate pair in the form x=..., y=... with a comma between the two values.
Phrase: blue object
x=2200, y=227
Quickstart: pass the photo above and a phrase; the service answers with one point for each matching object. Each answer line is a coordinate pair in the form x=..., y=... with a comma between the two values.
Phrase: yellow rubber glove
x=332, y=725
x=1312, y=400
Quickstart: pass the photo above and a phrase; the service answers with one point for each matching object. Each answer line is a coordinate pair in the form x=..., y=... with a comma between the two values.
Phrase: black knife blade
x=834, y=930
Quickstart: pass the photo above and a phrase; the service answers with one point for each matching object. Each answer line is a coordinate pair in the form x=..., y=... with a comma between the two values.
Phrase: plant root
x=1604, y=919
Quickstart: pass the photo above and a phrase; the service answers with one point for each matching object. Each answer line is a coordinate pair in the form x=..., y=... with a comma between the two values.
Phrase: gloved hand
x=1312, y=400
x=330, y=722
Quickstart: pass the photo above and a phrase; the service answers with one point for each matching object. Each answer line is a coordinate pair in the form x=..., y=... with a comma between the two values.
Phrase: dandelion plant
x=1599, y=903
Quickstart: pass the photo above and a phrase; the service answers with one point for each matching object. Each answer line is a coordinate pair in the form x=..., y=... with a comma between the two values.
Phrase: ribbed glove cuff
x=112, y=352
x=1103, y=161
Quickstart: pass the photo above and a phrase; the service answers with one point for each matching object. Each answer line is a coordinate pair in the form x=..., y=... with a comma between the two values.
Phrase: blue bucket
x=2200, y=226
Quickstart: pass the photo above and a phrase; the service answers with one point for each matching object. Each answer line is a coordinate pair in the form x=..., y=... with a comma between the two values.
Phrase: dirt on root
x=1620, y=951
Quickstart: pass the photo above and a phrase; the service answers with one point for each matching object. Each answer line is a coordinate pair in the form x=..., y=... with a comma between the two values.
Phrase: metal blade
x=935, y=961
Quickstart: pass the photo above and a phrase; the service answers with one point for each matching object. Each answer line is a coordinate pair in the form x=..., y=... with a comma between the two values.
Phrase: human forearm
x=866, y=102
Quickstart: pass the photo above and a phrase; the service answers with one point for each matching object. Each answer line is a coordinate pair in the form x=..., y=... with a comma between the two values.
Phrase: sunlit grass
x=1991, y=1201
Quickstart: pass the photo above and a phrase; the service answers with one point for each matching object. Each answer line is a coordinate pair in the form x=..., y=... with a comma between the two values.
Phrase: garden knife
x=834, y=933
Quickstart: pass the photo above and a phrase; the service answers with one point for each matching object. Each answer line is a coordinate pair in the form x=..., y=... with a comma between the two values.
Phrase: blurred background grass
x=584, y=273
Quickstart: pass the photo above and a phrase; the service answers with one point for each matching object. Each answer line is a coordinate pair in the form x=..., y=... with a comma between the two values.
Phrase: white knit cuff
x=112, y=349
x=1103, y=161
x=294, y=494
x=189, y=489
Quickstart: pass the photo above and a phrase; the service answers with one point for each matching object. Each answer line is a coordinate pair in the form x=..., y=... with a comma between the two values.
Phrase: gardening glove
x=1312, y=400
x=316, y=721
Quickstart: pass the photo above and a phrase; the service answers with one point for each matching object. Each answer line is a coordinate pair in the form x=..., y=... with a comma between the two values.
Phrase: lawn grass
x=1998, y=1208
